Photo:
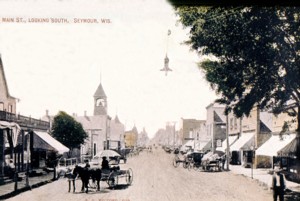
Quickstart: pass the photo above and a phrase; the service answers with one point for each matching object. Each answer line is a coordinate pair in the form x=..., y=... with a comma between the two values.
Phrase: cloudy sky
x=58, y=66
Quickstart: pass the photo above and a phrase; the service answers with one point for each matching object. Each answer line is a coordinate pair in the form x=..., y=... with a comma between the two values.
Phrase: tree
x=68, y=131
x=257, y=55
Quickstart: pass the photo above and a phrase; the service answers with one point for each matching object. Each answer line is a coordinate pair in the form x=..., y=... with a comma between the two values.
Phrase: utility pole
x=227, y=139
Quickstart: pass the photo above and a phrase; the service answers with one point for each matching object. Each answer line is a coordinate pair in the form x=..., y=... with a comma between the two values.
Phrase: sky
x=58, y=66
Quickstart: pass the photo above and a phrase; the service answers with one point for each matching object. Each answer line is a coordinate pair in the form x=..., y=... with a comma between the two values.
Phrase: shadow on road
x=120, y=187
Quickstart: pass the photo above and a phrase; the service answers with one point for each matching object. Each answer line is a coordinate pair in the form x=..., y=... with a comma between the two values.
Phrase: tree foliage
x=257, y=51
x=68, y=131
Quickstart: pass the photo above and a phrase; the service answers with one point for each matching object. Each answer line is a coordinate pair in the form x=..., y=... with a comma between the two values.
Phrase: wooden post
x=2, y=157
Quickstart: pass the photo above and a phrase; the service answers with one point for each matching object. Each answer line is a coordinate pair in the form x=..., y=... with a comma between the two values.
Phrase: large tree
x=68, y=131
x=256, y=51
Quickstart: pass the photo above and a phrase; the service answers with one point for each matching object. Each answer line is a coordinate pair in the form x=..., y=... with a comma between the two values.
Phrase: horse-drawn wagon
x=113, y=175
x=110, y=176
x=211, y=162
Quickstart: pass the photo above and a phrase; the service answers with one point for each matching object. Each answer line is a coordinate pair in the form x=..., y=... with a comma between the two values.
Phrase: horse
x=85, y=174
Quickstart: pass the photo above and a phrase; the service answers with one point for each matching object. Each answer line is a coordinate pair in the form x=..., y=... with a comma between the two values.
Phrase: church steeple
x=100, y=101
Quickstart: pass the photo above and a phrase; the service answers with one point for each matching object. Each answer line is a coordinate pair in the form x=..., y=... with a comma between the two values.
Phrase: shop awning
x=15, y=128
x=43, y=140
x=189, y=143
x=201, y=144
x=208, y=146
x=231, y=140
x=245, y=141
x=290, y=149
x=274, y=144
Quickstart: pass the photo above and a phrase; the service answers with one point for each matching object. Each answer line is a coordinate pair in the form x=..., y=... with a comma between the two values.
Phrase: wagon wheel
x=175, y=163
x=185, y=164
x=129, y=176
x=190, y=166
x=197, y=167
x=112, y=180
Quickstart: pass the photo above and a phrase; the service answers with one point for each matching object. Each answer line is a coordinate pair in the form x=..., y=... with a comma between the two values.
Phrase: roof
x=274, y=144
x=264, y=128
x=46, y=141
x=2, y=74
x=117, y=119
x=217, y=118
x=245, y=141
x=92, y=122
x=100, y=92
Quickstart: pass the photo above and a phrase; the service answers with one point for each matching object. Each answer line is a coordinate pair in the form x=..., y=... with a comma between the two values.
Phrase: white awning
x=231, y=140
x=242, y=141
x=201, y=144
x=15, y=130
x=274, y=144
x=53, y=143
x=189, y=143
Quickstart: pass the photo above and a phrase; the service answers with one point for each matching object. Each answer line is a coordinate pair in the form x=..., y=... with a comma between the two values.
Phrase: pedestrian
x=278, y=184
x=105, y=164
x=223, y=160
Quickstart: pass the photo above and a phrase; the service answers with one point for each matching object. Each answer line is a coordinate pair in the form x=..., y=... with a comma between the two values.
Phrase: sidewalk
x=8, y=190
x=262, y=176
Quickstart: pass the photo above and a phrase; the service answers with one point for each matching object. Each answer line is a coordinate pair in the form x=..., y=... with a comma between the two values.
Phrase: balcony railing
x=24, y=122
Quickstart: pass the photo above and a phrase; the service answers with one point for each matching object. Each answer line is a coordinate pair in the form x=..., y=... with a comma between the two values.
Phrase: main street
x=155, y=178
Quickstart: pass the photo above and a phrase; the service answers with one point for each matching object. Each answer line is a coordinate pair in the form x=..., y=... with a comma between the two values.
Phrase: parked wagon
x=211, y=162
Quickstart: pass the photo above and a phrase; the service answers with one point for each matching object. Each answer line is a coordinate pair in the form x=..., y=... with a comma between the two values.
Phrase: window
x=235, y=123
x=231, y=123
x=191, y=133
x=1, y=106
x=10, y=108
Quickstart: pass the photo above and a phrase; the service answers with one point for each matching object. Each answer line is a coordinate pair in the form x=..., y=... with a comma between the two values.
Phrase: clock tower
x=100, y=101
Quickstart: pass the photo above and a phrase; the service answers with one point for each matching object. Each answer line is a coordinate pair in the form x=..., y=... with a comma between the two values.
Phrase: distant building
x=193, y=133
x=215, y=125
x=143, y=138
x=131, y=138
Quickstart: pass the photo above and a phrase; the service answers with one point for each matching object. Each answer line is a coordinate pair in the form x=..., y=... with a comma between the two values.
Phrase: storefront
x=271, y=148
x=241, y=148
x=44, y=145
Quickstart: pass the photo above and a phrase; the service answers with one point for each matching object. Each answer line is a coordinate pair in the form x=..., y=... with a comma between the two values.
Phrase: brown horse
x=85, y=175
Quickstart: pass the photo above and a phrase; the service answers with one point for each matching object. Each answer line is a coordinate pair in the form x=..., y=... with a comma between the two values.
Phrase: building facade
x=215, y=124
x=131, y=138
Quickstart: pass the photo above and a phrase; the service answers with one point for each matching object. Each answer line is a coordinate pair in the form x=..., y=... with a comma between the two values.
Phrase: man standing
x=278, y=184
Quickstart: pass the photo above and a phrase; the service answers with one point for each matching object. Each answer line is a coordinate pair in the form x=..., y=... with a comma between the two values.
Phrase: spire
x=100, y=92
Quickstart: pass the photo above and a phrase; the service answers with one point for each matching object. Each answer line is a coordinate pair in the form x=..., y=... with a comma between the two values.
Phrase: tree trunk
x=298, y=134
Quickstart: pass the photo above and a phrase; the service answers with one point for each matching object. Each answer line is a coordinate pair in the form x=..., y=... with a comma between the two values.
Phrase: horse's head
x=76, y=170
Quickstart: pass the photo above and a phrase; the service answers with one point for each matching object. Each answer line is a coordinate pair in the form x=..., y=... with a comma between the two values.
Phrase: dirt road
x=155, y=179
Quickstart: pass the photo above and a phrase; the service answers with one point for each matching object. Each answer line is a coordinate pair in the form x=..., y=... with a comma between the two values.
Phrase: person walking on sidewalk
x=278, y=184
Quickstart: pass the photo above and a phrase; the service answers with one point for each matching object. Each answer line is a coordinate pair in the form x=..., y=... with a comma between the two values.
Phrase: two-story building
x=23, y=140
x=215, y=125
x=193, y=134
